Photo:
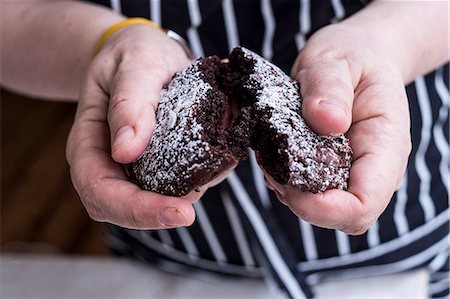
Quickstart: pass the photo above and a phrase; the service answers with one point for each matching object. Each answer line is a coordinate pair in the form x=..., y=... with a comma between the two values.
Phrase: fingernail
x=273, y=185
x=331, y=105
x=171, y=217
x=268, y=183
x=124, y=135
x=280, y=197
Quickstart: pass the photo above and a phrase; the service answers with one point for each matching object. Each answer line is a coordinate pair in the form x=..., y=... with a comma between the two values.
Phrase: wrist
x=125, y=24
x=406, y=33
x=120, y=25
x=138, y=48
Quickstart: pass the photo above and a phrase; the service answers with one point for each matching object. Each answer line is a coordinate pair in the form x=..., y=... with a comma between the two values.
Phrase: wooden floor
x=40, y=210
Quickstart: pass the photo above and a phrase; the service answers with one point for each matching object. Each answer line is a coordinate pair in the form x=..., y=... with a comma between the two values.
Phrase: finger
x=134, y=97
x=198, y=192
x=327, y=91
x=139, y=70
x=108, y=196
x=334, y=209
x=101, y=182
x=374, y=176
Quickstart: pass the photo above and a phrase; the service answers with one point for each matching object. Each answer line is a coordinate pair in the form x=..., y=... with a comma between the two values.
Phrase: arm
x=352, y=76
x=48, y=45
x=415, y=34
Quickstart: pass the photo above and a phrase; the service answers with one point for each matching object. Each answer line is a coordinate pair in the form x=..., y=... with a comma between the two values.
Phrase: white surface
x=50, y=276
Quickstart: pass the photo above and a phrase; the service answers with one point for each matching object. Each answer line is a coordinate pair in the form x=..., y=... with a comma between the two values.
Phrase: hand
x=350, y=85
x=114, y=123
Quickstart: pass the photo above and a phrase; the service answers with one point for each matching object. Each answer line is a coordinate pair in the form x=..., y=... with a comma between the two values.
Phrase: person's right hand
x=114, y=123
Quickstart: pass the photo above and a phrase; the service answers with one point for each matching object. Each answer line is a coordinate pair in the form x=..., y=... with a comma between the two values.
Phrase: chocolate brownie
x=213, y=111
x=188, y=147
x=271, y=121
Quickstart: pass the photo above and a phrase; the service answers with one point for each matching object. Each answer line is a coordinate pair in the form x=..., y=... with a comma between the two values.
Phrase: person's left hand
x=349, y=85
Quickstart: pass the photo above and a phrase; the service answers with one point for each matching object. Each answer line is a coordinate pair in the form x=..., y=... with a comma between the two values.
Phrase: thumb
x=134, y=97
x=327, y=93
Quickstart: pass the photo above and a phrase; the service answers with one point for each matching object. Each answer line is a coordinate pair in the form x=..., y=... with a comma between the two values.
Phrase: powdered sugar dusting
x=177, y=149
x=316, y=163
x=179, y=158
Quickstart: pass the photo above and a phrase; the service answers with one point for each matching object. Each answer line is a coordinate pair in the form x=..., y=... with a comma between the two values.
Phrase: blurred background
x=40, y=210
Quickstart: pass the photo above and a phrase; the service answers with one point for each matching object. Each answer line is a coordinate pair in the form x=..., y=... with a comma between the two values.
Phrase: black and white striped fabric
x=241, y=228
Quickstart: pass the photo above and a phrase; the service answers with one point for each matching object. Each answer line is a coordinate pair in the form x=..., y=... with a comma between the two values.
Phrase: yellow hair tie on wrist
x=124, y=23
